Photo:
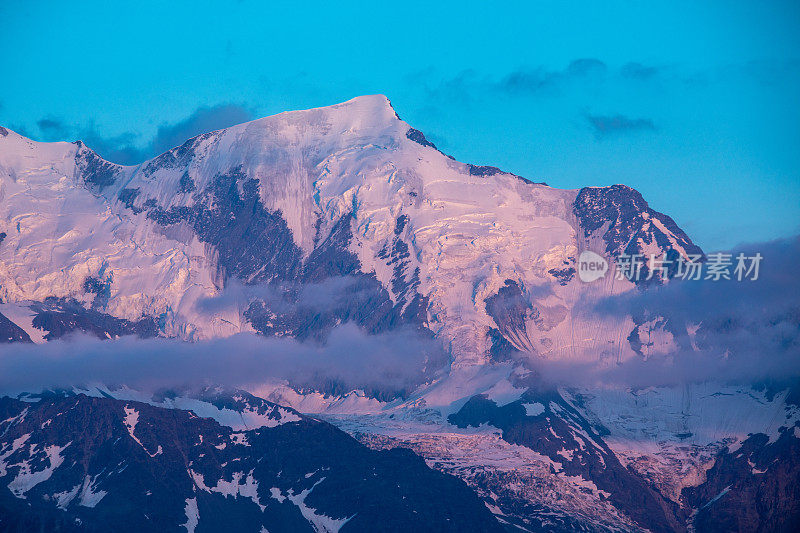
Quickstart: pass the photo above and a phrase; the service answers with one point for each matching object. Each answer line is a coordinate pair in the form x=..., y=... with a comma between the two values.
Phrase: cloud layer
x=383, y=365
x=605, y=125
x=745, y=332
x=731, y=331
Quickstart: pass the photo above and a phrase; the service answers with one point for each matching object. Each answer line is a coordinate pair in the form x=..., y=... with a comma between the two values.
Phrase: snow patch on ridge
x=130, y=421
x=321, y=523
x=192, y=515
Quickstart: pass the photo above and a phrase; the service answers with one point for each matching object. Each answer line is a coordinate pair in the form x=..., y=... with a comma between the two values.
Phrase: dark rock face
x=404, y=285
x=178, y=156
x=419, y=138
x=331, y=258
x=96, y=172
x=128, y=198
x=333, y=274
x=483, y=170
x=10, y=332
x=77, y=463
x=486, y=171
x=253, y=244
x=2, y=236
x=753, y=488
x=3, y=132
x=501, y=349
x=630, y=221
x=561, y=433
x=186, y=184
x=100, y=286
x=635, y=340
x=563, y=275
x=59, y=317
x=509, y=308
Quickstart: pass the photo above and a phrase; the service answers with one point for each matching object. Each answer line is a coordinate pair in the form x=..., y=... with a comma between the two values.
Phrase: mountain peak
x=363, y=111
x=374, y=102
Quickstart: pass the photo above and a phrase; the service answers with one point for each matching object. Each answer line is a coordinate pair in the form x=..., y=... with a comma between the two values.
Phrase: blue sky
x=693, y=103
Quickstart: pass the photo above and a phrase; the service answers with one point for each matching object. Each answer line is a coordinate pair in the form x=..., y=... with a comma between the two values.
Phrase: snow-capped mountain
x=295, y=224
x=303, y=197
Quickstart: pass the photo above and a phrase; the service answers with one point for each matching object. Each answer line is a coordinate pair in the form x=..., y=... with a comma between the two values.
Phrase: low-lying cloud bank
x=728, y=330
x=384, y=365
x=283, y=298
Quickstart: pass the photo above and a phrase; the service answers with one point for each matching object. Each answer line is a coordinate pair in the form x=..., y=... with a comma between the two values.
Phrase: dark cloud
x=539, y=79
x=126, y=149
x=384, y=365
x=528, y=80
x=469, y=85
x=203, y=120
x=607, y=125
x=638, y=71
x=585, y=67
x=121, y=149
x=52, y=129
